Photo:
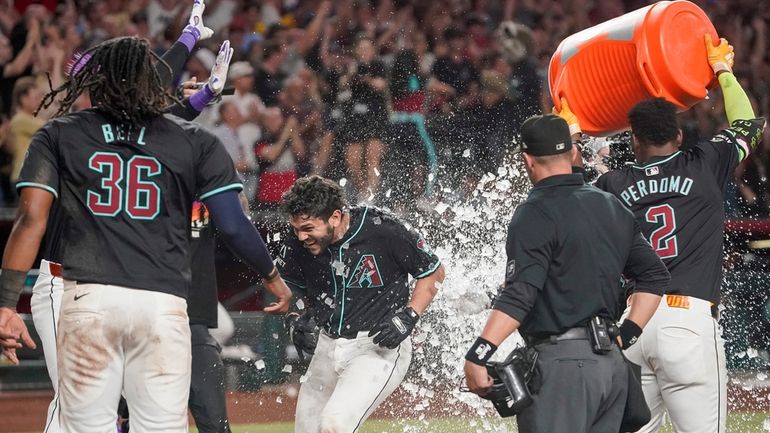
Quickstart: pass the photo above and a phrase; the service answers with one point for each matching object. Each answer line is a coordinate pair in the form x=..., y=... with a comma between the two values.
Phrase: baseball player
x=48, y=288
x=677, y=197
x=351, y=265
x=126, y=175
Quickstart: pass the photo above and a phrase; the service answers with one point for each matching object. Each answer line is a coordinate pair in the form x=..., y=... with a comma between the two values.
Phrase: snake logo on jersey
x=366, y=275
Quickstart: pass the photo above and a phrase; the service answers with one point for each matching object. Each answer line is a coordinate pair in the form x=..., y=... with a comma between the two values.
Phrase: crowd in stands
x=401, y=98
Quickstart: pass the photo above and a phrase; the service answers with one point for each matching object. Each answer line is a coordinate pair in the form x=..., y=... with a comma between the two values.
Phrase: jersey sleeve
x=41, y=164
x=529, y=246
x=216, y=171
x=410, y=249
x=729, y=147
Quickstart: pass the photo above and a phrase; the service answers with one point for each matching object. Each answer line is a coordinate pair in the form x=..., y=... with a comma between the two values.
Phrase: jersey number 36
x=663, y=239
x=125, y=186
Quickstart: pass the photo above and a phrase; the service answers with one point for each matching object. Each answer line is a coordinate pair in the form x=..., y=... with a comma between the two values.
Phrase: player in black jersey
x=677, y=197
x=126, y=176
x=352, y=267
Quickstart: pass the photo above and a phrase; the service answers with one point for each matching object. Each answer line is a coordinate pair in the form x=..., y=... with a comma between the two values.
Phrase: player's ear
x=335, y=218
x=678, y=139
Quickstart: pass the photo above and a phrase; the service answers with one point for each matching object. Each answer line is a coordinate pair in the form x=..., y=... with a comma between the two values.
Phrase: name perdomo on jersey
x=666, y=185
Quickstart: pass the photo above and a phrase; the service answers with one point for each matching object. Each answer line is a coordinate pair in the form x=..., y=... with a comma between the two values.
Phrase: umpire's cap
x=546, y=134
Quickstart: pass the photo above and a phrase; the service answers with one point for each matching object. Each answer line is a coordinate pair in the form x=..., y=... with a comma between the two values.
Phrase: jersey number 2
x=139, y=196
x=663, y=239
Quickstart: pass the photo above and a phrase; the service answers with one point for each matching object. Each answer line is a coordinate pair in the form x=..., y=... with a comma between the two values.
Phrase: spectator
x=454, y=68
x=278, y=151
x=250, y=107
x=24, y=124
x=269, y=79
x=16, y=65
x=367, y=122
x=230, y=120
x=413, y=161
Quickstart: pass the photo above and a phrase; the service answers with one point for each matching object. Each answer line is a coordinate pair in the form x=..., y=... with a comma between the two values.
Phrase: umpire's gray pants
x=580, y=391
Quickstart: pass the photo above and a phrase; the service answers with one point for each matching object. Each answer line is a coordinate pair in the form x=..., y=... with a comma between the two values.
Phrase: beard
x=324, y=241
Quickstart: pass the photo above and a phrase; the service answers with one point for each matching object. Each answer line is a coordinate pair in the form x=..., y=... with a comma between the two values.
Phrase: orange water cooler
x=655, y=51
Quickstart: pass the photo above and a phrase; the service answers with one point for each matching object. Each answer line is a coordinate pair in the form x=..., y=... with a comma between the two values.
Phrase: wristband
x=11, y=283
x=480, y=352
x=272, y=275
x=629, y=333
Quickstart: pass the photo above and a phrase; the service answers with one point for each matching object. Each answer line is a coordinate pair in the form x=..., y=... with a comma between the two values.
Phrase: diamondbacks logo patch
x=366, y=274
x=423, y=246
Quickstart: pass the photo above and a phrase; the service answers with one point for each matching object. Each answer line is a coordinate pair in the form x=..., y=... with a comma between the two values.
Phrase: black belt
x=348, y=335
x=578, y=333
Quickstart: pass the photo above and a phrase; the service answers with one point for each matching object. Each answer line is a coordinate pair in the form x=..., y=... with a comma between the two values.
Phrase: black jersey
x=363, y=277
x=572, y=268
x=202, y=303
x=678, y=201
x=126, y=195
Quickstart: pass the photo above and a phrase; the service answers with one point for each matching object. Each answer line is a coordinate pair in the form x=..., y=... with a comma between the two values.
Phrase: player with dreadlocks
x=125, y=175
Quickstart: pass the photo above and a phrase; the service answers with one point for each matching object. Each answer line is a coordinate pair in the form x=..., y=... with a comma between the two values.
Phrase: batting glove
x=219, y=71
x=391, y=332
x=195, y=25
x=721, y=57
x=303, y=333
x=569, y=117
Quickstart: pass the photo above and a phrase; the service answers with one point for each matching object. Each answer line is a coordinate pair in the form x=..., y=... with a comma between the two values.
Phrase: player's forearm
x=425, y=290
x=643, y=306
x=737, y=103
x=174, y=59
x=19, y=256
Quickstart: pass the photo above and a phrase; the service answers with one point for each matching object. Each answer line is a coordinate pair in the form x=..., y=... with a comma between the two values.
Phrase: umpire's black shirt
x=567, y=246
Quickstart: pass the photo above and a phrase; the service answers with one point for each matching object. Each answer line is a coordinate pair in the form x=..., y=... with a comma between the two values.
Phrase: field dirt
x=26, y=411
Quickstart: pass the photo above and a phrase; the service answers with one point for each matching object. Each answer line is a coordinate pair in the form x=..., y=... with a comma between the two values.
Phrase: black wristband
x=481, y=351
x=11, y=283
x=629, y=333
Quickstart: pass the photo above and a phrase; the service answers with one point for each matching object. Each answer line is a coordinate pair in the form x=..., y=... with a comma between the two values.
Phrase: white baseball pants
x=346, y=380
x=684, y=373
x=45, y=305
x=113, y=339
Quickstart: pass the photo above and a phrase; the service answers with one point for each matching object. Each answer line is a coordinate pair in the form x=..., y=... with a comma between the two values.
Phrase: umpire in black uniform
x=568, y=245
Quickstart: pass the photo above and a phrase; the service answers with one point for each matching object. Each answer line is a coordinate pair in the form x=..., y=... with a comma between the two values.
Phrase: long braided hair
x=120, y=78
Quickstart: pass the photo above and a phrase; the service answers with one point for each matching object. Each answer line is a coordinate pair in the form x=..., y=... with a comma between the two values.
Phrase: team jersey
x=362, y=278
x=202, y=302
x=678, y=201
x=126, y=195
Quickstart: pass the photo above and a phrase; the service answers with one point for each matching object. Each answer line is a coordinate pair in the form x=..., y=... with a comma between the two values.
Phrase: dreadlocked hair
x=121, y=80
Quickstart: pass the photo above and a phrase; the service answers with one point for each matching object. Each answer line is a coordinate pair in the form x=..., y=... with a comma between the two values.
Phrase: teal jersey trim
x=21, y=185
x=642, y=167
x=430, y=271
x=294, y=283
x=222, y=189
x=344, y=286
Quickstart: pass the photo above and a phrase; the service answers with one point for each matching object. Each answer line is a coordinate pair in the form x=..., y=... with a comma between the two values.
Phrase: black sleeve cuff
x=516, y=300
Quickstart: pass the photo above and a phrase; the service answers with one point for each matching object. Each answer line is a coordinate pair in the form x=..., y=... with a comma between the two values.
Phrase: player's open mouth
x=308, y=245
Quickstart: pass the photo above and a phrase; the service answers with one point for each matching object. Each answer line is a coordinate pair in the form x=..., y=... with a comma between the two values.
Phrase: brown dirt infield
x=26, y=411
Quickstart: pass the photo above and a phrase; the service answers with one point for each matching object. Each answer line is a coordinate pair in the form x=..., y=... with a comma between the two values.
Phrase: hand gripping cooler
x=655, y=51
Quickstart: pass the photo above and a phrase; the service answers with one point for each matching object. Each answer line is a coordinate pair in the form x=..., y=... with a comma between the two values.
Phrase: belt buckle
x=678, y=301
